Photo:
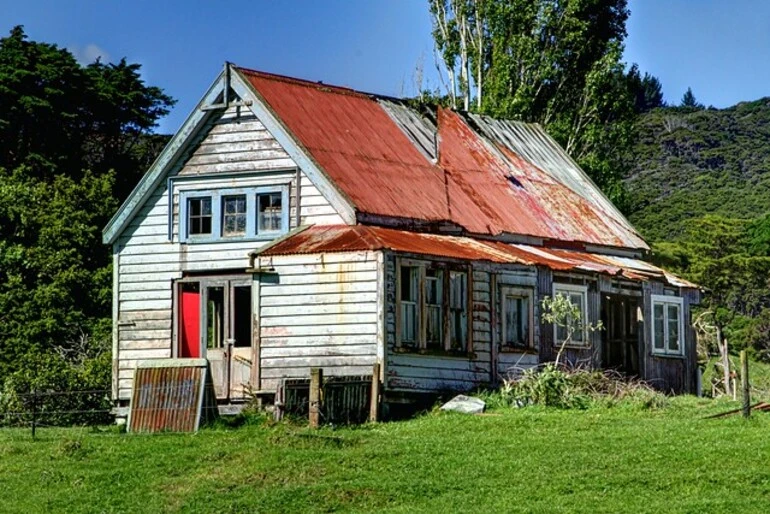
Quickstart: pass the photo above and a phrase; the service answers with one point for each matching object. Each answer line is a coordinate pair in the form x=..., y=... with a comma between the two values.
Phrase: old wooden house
x=293, y=224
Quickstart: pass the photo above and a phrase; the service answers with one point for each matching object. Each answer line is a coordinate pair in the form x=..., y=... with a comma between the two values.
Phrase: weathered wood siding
x=670, y=374
x=318, y=311
x=510, y=364
x=414, y=372
x=590, y=356
x=234, y=150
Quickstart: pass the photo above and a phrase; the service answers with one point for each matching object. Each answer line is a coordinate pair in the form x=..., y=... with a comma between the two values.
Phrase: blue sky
x=719, y=48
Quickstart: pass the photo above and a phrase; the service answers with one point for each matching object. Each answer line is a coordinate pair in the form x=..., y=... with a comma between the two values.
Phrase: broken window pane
x=270, y=212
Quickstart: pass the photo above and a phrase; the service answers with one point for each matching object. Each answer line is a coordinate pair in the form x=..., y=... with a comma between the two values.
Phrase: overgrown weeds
x=553, y=386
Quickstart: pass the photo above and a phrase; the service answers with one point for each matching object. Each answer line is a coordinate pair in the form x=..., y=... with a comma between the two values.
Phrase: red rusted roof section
x=347, y=238
x=485, y=189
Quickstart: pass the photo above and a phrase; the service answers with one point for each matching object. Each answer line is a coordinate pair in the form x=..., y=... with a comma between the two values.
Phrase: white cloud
x=89, y=53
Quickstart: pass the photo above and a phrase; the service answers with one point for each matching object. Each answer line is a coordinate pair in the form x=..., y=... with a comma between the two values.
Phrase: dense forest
x=75, y=138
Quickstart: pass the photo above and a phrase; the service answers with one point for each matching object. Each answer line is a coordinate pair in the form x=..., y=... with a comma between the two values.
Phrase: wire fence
x=36, y=409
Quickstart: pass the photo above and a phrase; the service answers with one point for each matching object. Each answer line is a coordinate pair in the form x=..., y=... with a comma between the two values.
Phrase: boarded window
x=667, y=331
x=410, y=327
x=458, y=310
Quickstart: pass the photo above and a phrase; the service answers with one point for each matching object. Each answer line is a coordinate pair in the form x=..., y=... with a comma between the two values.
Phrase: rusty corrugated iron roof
x=486, y=181
x=352, y=238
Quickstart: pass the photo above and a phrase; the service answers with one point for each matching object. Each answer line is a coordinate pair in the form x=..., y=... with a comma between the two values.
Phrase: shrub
x=552, y=386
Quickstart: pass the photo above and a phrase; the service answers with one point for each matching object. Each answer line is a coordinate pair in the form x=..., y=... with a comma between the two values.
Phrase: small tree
x=560, y=311
x=688, y=100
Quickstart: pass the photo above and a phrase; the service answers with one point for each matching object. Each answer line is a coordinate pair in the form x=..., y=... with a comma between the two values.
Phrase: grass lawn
x=525, y=460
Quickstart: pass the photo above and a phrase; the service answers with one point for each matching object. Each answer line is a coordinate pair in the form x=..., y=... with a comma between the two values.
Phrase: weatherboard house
x=293, y=224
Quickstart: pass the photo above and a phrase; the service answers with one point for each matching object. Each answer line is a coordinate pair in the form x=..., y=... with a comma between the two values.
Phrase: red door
x=190, y=323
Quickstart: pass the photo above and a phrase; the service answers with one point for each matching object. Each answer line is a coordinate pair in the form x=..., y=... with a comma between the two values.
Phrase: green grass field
x=525, y=460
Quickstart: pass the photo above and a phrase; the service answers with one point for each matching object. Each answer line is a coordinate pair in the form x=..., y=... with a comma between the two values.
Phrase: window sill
x=434, y=353
x=519, y=349
x=574, y=346
x=668, y=356
x=244, y=239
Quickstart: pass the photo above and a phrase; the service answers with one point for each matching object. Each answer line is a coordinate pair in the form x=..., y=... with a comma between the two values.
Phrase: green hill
x=691, y=162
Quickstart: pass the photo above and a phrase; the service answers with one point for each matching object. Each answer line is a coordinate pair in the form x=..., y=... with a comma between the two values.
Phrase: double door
x=215, y=323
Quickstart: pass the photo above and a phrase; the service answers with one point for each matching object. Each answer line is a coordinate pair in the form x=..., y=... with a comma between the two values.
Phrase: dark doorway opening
x=620, y=337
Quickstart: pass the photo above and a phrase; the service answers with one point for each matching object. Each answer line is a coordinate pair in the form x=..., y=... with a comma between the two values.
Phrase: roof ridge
x=319, y=85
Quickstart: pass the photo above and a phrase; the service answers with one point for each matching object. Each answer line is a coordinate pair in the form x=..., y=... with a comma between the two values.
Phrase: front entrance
x=620, y=337
x=215, y=324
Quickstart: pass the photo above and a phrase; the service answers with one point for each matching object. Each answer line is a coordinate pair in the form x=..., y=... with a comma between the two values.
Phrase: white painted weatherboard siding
x=148, y=262
x=318, y=311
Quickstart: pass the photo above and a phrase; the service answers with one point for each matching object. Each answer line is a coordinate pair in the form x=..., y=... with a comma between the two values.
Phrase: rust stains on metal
x=347, y=238
x=485, y=177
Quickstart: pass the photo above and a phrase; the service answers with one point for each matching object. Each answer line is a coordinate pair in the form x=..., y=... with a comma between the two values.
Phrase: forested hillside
x=689, y=162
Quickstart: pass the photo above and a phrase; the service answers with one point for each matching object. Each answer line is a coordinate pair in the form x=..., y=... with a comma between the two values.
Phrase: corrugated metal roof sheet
x=346, y=238
x=378, y=152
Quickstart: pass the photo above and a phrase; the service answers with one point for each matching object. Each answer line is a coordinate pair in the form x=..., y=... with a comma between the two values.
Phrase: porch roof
x=352, y=238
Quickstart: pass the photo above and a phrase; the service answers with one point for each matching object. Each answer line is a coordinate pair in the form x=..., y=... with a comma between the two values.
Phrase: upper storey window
x=231, y=215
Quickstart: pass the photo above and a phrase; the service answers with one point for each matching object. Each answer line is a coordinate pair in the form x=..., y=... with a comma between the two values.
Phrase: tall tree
x=73, y=140
x=554, y=62
x=688, y=100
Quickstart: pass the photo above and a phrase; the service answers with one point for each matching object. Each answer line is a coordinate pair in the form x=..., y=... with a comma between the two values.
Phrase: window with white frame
x=667, y=325
x=432, y=307
x=233, y=214
x=517, y=318
x=578, y=296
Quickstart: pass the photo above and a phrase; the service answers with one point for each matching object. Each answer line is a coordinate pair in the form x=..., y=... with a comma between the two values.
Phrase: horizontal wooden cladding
x=144, y=333
x=319, y=320
x=301, y=301
x=319, y=330
x=331, y=308
x=239, y=142
x=317, y=258
x=342, y=278
x=311, y=289
x=144, y=305
x=341, y=350
x=326, y=340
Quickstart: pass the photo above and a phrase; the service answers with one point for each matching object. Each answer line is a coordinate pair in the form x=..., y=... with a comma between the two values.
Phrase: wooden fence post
x=374, y=401
x=745, y=384
x=316, y=383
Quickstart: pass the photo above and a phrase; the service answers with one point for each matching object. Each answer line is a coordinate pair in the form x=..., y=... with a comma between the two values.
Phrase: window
x=230, y=214
x=432, y=307
x=409, y=300
x=433, y=298
x=577, y=295
x=667, y=325
x=458, y=310
x=269, y=217
x=233, y=215
x=517, y=317
x=199, y=210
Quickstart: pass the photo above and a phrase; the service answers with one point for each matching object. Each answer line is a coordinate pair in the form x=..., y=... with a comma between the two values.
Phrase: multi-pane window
x=433, y=297
x=233, y=215
x=269, y=212
x=578, y=296
x=433, y=307
x=458, y=310
x=517, y=317
x=251, y=213
x=667, y=325
x=199, y=215
x=409, y=301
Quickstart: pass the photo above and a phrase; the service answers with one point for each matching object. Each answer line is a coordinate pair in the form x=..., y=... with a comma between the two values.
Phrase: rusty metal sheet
x=506, y=179
x=172, y=395
x=347, y=238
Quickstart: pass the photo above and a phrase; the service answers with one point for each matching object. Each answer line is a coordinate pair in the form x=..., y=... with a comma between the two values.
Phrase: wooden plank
x=145, y=305
x=321, y=362
x=314, y=289
x=298, y=350
x=332, y=308
x=320, y=330
x=329, y=340
x=300, y=301
x=316, y=382
x=320, y=320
